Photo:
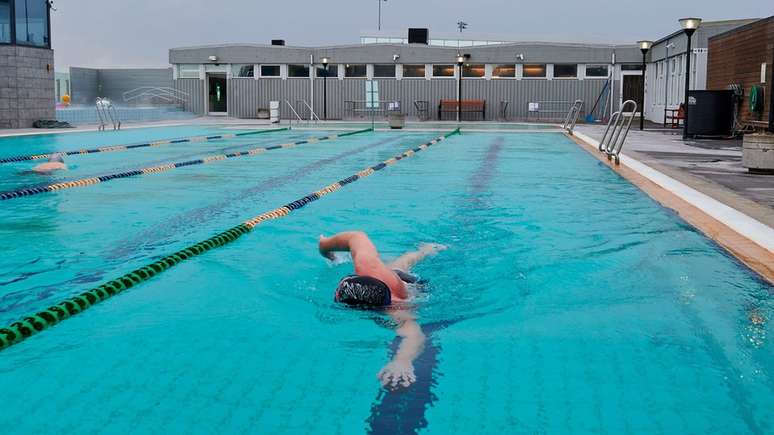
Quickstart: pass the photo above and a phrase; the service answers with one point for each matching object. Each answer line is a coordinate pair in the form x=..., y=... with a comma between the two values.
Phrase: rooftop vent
x=418, y=36
x=277, y=42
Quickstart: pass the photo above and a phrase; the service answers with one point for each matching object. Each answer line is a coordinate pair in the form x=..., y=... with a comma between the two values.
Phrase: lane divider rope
x=115, y=148
x=31, y=325
x=35, y=190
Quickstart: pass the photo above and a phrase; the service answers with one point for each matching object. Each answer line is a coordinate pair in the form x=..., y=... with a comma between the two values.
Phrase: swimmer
x=55, y=163
x=377, y=285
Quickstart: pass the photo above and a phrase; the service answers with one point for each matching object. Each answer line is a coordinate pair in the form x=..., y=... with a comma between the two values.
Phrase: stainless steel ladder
x=312, y=116
x=617, y=129
x=572, y=116
x=107, y=114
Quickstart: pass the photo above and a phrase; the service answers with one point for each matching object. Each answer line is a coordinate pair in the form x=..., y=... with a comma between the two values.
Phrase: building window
x=443, y=70
x=188, y=71
x=333, y=71
x=565, y=71
x=298, y=71
x=414, y=71
x=270, y=70
x=535, y=71
x=597, y=71
x=504, y=71
x=384, y=71
x=631, y=67
x=355, y=71
x=5, y=21
x=32, y=22
x=475, y=71
x=243, y=71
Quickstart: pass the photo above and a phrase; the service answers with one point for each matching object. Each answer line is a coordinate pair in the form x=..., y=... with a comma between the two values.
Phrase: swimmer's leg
x=408, y=260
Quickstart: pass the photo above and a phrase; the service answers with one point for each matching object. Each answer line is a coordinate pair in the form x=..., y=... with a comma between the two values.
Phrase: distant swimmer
x=55, y=163
x=378, y=285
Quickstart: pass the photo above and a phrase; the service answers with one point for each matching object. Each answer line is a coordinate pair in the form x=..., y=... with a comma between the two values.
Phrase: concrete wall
x=90, y=83
x=27, y=86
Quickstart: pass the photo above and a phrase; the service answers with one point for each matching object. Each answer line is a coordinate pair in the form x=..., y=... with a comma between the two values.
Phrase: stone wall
x=27, y=86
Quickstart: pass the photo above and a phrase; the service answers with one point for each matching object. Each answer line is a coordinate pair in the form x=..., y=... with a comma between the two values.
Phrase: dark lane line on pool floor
x=33, y=324
x=403, y=412
x=127, y=247
x=171, y=226
x=129, y=147
x=83, y=182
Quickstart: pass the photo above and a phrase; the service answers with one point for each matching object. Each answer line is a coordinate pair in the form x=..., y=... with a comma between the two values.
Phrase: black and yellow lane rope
x=116, y=148
x=82, y=182
x=33, y=324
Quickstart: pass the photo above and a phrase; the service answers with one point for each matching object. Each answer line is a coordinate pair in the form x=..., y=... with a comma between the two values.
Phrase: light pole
x=689, y=26
x=380, y=12
x=460, y=62
x=644, y=48
x=666, y=79
x=325, y=61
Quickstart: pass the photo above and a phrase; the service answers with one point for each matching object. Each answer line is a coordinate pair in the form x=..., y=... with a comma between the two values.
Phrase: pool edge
x=747, y=239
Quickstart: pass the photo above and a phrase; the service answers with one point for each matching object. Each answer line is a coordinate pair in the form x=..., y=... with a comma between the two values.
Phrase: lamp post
x=380, y=13
x=689, y=26
x=644, y=48
x=460, y=62
x=325, y=62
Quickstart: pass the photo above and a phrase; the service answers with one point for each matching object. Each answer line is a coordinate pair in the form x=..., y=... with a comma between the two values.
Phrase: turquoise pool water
x=567, y=302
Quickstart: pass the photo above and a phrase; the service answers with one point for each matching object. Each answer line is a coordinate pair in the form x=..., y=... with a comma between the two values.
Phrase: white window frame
x=494, y=67
x=474, y=78
x=198, y=71
x=549, y=71
x=553, y=73
x=451, y=77
x=403, y=75
x=234, y=75
x=307, y=77
x=260, y=71
x=588, y=77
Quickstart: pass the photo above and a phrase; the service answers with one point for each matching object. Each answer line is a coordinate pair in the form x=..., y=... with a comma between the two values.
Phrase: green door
x=218, y=97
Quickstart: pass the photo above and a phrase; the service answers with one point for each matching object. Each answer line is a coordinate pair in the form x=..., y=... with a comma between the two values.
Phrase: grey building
x=27, y=86
x=530, y=80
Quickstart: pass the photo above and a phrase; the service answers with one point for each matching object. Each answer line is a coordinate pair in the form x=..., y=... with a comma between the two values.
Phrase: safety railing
x=312, y=116
x=617, y=129
x=572, y=116
x=107, y=114
x=295, y=113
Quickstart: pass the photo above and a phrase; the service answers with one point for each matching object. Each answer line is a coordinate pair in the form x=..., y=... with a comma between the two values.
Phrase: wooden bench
x=468, y=106
x=674, y=116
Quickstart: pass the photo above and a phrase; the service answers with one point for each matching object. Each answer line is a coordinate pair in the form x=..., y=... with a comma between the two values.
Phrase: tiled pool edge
x=747, y=239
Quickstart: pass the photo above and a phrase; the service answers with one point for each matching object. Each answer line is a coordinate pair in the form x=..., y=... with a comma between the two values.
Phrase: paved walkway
x=713, y=167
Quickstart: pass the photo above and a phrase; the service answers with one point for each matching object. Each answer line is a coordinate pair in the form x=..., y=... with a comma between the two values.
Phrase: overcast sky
x=101, y=33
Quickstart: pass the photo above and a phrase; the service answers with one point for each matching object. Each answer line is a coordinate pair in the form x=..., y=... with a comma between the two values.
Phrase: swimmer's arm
x=413, y=339
x=356, y=242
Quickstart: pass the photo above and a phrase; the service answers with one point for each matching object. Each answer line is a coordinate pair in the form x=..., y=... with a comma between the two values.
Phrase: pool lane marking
x=115, y=148
x=747, y=239
x=36, y=323
x=35, y=190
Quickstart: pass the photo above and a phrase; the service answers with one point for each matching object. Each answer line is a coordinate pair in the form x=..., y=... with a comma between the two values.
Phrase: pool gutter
x=746, y=238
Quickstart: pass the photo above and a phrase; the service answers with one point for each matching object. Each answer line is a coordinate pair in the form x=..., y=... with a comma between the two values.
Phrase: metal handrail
x=107, y=112
x=293, y=109
x=312, y=115
x=617, y=130
x=572, y=116
x=168, y=94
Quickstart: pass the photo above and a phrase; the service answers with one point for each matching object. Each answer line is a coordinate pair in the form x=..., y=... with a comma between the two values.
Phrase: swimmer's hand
x=397, y=373
x=330, y=255
x=431, y=248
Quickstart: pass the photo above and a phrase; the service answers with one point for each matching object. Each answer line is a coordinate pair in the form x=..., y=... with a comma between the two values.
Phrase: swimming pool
x=568, y=301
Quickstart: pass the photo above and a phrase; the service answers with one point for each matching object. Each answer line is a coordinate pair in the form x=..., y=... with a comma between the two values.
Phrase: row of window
x=30, y=20
x=409, y=71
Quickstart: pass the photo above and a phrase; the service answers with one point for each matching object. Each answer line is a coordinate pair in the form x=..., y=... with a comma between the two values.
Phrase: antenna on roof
x=462, y=25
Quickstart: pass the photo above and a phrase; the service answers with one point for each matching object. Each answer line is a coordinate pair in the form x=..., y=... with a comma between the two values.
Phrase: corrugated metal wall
x=196, y=99
x=246, y=96
x=84, y=85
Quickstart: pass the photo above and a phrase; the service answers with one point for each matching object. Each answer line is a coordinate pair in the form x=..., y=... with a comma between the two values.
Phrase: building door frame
x=208, y=109
x=621, y=90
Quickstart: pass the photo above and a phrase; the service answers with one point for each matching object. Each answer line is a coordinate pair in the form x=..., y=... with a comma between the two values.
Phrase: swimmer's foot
x=432, y=248
x=397, y=374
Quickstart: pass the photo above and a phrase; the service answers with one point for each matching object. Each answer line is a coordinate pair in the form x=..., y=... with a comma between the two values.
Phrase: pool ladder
x=617, y=129
x=572, y=116
x=107, y=114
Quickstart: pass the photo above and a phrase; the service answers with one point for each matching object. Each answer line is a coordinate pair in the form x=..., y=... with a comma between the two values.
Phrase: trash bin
x=274, y=112
x=396, y=120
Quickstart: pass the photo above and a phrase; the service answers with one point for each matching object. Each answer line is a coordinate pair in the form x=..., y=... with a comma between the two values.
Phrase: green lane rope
x=82, y=182
x=33, y=324
x=115, y=148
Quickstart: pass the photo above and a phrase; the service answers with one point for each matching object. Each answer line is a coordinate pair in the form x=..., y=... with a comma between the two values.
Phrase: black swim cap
x=363, y=290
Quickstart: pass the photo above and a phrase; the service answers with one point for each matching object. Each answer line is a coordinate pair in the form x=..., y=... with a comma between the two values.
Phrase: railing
x=423, y=109
x=363, y=108
x=165, y=94
x=107, y=114
x=617, y=129
x=547, y=110
x=572, y=116
x=293, y=109
x=503, y=113
x=312, y=116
